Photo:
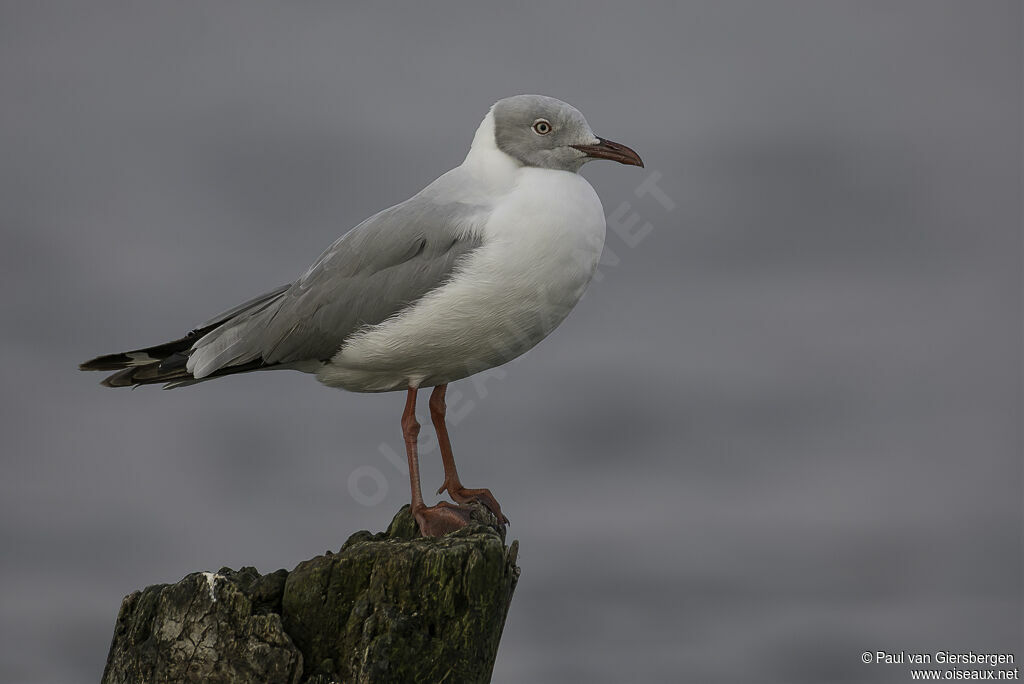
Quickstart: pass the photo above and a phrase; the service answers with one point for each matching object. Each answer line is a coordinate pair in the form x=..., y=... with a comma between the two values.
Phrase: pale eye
x=541, y=126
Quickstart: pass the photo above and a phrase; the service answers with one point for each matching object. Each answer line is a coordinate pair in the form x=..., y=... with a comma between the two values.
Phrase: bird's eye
x=541, y=126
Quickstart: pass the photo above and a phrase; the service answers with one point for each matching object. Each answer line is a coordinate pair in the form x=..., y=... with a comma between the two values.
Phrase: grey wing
x=260, y=302
x=371, y=273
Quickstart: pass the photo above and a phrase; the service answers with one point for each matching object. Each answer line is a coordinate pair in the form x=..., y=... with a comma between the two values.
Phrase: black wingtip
x=123, y=378
x=106, y=362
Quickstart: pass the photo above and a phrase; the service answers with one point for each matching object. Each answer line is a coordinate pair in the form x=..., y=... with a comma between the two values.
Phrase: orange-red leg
x=455, y=489
x=432, y=520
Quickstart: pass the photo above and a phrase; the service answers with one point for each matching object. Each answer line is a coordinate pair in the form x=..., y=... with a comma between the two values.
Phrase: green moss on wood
x=387, y=607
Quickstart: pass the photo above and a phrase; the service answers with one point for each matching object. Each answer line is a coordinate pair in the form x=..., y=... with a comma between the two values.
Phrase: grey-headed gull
x=469, y=273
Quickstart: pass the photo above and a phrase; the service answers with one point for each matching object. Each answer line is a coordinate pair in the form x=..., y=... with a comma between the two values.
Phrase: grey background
x=783, y=429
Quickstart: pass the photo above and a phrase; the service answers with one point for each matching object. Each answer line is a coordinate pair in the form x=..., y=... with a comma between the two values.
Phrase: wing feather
x=368, y=275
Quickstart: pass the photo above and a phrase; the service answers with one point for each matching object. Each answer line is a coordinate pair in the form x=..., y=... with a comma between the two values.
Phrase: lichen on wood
x=389, y=607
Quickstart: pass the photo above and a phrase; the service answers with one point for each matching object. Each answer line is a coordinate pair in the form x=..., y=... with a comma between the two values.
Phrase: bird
x=465, y=275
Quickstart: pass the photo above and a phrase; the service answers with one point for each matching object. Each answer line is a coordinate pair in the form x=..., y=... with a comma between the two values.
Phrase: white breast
x=539, y=249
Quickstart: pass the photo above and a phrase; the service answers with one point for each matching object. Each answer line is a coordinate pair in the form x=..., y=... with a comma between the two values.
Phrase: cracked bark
x=387, y=607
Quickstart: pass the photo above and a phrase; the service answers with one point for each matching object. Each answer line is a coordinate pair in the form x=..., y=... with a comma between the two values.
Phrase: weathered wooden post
x=387, y=607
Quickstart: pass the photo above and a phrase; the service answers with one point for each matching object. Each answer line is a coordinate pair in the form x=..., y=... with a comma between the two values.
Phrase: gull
x=466, y=275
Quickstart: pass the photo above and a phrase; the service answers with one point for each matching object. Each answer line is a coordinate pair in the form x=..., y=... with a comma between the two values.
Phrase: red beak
x=606, y=149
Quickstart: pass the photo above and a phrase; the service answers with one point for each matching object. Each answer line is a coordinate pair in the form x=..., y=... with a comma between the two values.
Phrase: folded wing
x=370, y=274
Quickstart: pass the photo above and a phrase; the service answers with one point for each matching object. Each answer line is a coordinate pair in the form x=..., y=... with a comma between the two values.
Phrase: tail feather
x=166, y=363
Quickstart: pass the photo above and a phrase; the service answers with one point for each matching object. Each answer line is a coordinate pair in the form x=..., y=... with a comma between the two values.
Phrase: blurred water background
x=782, y=428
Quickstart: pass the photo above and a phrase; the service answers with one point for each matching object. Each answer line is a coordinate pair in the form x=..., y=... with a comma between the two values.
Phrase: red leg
x=458, y=493
x=434, y=520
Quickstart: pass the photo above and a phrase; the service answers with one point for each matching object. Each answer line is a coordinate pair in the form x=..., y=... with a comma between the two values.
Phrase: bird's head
x=548, y=133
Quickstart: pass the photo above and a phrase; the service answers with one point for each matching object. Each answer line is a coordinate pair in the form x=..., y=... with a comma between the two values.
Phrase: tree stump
x=387, y=607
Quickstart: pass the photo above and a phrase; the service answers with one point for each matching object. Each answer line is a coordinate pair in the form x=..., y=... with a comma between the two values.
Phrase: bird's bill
x=607, y=149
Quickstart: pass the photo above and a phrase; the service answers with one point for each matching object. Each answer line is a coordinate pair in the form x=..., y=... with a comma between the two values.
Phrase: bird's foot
x=435, y=521
x=464, y=495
